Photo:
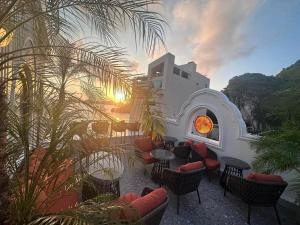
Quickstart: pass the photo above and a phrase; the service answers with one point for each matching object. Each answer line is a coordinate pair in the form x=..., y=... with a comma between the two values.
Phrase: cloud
x=215, y=30
x=133, y=65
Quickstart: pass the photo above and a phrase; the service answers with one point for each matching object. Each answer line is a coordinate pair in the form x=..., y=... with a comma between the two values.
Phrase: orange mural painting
x=203, y=124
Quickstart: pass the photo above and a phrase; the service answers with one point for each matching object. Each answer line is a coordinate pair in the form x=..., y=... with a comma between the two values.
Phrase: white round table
x=105, y=170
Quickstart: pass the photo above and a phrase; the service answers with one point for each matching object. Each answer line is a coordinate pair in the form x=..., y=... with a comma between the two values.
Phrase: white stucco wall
x=176, y=89
x=234, y=139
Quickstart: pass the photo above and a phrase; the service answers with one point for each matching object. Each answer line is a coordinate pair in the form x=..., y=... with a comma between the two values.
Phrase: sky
x=226, y=38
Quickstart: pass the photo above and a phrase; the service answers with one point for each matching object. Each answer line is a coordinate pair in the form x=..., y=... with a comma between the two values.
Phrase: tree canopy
x=267, y=101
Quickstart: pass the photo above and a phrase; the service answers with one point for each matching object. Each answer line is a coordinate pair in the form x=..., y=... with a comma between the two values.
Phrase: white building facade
x=175, y=83
x=185, y=95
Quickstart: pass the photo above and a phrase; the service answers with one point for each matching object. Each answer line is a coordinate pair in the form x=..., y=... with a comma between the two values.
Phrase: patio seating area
x=215, y=208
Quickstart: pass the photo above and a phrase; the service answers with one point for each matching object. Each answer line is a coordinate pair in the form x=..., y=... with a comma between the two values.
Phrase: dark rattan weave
x=262, y=194
x=181, y=183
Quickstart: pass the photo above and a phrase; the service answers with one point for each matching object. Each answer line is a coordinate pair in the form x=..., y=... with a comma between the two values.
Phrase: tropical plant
x=43, y=108
x=279, y=151
x=152, y=118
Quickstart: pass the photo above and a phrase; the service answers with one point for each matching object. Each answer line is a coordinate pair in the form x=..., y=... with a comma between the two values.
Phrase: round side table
x=104, y=170
x=233, y=166
x=163, y=156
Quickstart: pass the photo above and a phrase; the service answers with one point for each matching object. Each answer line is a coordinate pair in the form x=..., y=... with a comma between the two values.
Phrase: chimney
x=192, y=66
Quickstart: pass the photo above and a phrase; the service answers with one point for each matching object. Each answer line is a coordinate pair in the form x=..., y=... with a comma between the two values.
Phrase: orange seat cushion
x=129, y=197
x=201, y=149
x=264, y=177
x=147, y=203
x=190, y=166
x=63, y=201
x=144, y=144
x=212, y=164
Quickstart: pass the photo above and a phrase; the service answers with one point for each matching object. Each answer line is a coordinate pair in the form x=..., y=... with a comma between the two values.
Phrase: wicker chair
x=181, y=183
x=182, y=152
x=153, y=217
x=142, y=150
x=133, y=128
x=119, y=127
x=253, y=193
x=100, y=127
x=212, y=157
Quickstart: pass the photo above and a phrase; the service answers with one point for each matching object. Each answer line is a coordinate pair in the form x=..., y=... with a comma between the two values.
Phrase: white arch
x=234, y=140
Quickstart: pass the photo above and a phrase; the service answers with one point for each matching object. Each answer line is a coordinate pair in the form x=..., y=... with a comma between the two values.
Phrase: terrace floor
x=215, y=209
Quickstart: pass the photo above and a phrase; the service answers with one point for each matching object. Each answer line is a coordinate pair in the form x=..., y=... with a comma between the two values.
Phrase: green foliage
x=152, y=120
x=43, y=108
x=269, y=100
x=279, y=151
x=250, y=92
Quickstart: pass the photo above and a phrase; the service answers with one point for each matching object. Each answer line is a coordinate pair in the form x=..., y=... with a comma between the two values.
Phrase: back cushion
x=264, y=177
x=201, y=149
x=144, y=144
x=190, y=166
x=150, y=201
x=188, y=142
x=129, y=197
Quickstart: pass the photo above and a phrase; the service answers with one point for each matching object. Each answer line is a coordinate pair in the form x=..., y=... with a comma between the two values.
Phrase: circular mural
x=203, y=124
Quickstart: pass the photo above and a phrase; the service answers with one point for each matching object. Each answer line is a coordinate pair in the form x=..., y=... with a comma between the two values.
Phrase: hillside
x=267, y=101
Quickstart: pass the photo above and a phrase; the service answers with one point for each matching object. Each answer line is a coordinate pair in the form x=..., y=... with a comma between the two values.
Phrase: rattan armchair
x=211, y=161
x=143, y=147
x=181, y=183
x=253, y=193
x=182, y=152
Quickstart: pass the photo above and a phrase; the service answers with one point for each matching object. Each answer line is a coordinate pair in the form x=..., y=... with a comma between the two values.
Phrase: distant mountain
x=267, y=101
x=292, y=72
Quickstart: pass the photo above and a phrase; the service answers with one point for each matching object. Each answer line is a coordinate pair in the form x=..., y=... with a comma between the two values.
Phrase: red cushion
x=201, y=149
x=148, y=158
x=188, y=142
x=35, y=159
x=150, y=201
x=190, y=166
x=63, y=201
x=47, y=202
x=144, y=144
x=264, y=177
x=212, y=164
x=129, y=197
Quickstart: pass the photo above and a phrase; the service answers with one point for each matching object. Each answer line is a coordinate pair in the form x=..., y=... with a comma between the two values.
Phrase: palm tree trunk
x=4, y=178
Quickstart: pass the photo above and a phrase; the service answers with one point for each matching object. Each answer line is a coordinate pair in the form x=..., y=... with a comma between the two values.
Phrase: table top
x=237, y=163
x=162, y=154
x=104, y=166
x=169, y=139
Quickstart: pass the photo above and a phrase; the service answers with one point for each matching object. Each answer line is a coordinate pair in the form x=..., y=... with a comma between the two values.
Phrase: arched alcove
x=214, y=136
x=233, y=138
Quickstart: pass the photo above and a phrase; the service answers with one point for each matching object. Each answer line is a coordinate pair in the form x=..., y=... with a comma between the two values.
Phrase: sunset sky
x=227, y=37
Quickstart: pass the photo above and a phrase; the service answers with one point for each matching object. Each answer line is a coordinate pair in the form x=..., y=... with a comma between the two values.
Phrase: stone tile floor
x=215, y=209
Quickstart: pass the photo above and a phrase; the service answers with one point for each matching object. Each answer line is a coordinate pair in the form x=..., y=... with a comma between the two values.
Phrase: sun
x=119, y=96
